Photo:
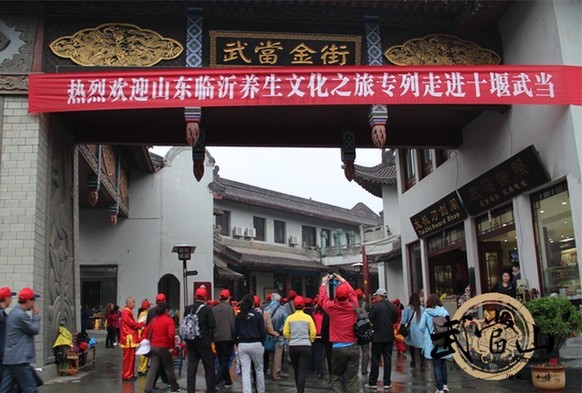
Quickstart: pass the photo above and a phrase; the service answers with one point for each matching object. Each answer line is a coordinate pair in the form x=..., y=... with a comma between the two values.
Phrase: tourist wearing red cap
x=142, y=316
x=200, y=348
x=290, y=305
x=161, y=332
x=223, y=336
x=19, y=350
x=129, y=339
x=321, y=345
x=300, y=330
x=160, y=300
x=342, y=317
x=111, y=322
x=249, y=335
x=5, y=300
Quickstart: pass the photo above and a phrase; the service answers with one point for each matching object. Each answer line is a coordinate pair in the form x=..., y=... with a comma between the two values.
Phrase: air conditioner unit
x=238, y=231
x=293, y=240
x=251, y=232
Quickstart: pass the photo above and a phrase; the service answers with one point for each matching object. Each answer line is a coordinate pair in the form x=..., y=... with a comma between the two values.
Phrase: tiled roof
x=245, y=193
x=225, y=274
x=373, y=178
x=255, y=258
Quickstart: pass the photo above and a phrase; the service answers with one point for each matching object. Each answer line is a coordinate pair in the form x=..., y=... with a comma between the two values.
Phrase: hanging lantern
x=198, y=155
x=93, y=197
x=93, y=185
x=94, y=182
x=112, y=213
x=192, y=115
x=377, y=119
x=379, y=135
x=192, y=132
x=348, y=152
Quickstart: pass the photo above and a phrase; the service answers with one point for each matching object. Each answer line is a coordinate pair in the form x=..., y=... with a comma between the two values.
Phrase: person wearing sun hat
x=19, y=350
x=5, y=300
x=224, y=336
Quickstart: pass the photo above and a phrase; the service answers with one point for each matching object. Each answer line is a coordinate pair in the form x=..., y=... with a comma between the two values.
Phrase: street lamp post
x=358, y=269
x=185, y=252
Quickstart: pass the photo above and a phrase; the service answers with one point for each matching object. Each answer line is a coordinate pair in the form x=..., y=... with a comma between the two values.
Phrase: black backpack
x=362, y=328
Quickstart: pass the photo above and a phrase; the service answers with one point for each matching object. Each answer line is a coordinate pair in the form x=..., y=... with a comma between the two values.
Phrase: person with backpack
x=161, y=333
x=197, y=329
x=274, y=316
x=383, y=315
x=249, y=335
x=342, y=311
x=432, y=322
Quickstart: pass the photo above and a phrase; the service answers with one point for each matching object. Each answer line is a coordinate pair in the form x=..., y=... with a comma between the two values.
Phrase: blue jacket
x=415, y=338
x=20, y=332
x=426, y=326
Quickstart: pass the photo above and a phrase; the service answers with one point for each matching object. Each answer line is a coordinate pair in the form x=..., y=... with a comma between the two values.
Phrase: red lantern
x=113, y=218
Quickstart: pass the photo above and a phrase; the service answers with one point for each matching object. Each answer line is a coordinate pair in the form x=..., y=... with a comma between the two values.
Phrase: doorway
x=170, y=286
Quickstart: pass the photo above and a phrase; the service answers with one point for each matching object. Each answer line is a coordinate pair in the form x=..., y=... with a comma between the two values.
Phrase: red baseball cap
x=257, y=300
x=359, y=293
x=27, y=294
x=224, y=294
x=342, y=292
x=308, y=301
x=299, y=302
x=6, y=292
x=201, y=293
x=160, y=298
x=145, y=303
x=292, y=294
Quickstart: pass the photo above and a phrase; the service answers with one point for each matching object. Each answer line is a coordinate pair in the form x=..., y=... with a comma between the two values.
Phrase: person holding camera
x=345, y=352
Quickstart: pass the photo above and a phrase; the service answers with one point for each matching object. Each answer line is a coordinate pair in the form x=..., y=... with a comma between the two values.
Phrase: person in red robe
x=129, y=339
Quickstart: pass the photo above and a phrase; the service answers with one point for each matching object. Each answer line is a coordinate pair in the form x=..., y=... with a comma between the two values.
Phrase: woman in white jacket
x=434, y=309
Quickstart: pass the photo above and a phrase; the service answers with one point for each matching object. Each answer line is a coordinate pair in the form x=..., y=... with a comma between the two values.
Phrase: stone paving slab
x=107, y=378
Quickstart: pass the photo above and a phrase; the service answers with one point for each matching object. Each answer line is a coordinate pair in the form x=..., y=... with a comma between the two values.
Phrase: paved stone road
x=107, y=378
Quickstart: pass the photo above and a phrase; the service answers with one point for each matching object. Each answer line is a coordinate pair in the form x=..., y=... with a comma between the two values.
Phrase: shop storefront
x=447, y=262
x=497, y=244
x=555, y=242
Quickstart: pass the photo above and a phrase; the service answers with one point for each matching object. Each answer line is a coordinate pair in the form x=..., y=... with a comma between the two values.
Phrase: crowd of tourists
x=316, y=334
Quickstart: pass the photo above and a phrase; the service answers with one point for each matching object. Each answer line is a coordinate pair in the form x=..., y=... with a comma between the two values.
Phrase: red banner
x=351, y=85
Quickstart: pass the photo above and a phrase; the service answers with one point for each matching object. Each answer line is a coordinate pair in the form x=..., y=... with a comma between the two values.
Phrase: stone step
x=571, y=352
x=574, y=342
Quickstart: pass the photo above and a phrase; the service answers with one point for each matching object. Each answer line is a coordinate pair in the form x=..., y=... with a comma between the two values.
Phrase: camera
x=330, y=276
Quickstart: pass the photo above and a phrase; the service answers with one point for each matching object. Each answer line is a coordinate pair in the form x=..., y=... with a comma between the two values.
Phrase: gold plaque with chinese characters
x=440, y=49
x=116, y=45
x=251, y=49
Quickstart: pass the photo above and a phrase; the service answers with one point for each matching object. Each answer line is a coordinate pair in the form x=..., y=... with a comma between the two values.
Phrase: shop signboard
x=518, y=174
x=439, y=215
x=244, y=48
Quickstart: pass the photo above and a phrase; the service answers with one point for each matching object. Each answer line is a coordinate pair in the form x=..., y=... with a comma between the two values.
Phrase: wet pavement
x=106, y=377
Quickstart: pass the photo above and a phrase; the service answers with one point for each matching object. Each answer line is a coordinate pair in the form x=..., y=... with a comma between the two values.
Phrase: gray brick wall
x=23, y=196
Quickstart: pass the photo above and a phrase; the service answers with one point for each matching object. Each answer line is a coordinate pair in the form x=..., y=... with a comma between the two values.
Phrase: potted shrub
x=557, y=320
